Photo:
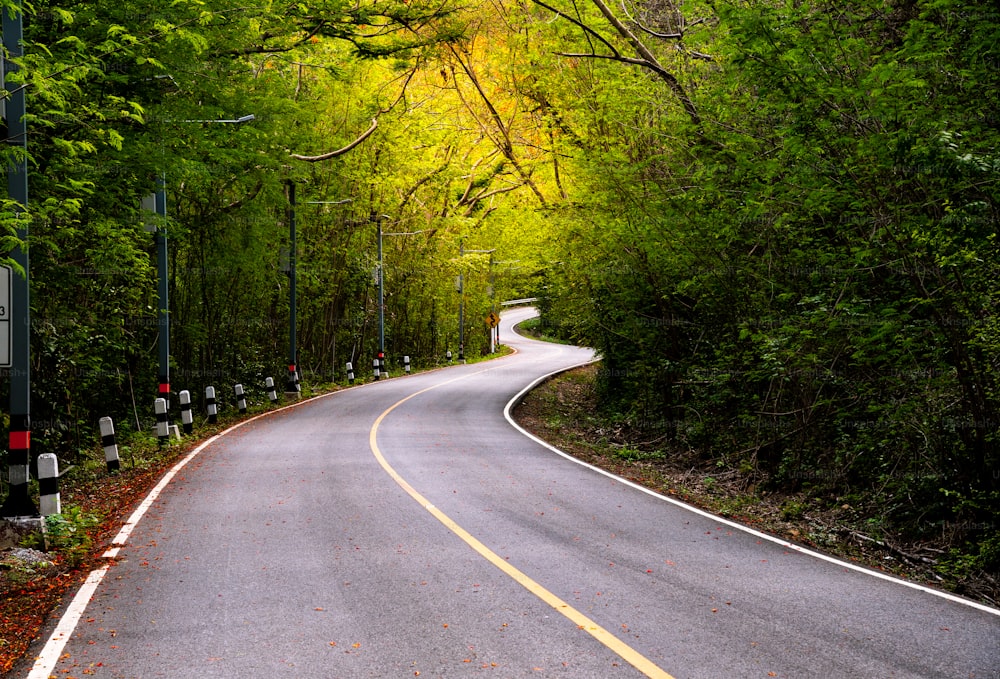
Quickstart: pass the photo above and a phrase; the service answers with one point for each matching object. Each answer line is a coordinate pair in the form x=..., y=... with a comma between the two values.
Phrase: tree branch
x=339, y=152
x=579, y=24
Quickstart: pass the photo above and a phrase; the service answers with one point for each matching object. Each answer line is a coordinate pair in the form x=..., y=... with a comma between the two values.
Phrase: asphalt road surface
x=406, y=528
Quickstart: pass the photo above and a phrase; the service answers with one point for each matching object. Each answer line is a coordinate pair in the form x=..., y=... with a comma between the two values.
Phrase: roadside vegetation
x=775, y=221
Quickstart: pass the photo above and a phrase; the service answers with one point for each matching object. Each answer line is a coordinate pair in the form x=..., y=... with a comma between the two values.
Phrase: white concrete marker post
x=110, y=444
x=406, y=364
x=162, y=430
x=210, y=405
x=272, y=392
x=375, y=369
x=350, y=372
x=241, y=399
x=187, y=419
x=48, y=484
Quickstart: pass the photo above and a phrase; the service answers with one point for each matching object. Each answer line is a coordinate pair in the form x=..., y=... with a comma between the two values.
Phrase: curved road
x=405, y=528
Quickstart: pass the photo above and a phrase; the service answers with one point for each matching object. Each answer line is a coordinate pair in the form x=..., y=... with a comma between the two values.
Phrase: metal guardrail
x=513, y=302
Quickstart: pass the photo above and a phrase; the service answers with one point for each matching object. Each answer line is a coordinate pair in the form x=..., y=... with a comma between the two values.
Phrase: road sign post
x=18, y=501
x=5, y=322
x=492, y=320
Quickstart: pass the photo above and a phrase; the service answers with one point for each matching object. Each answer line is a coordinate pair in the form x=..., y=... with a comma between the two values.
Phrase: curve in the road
x=626, y=652
x=50, y=655
x=732, y=524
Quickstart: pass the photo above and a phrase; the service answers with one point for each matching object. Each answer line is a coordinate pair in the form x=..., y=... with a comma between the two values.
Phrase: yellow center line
x=627, y=653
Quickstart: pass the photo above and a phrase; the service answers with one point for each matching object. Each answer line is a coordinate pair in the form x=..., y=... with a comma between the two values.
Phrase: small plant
x=635, y=455
x=68, y=533
x=793, y=510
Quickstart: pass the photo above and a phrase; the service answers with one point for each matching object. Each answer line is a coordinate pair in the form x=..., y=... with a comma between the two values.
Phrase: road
x=405, y=528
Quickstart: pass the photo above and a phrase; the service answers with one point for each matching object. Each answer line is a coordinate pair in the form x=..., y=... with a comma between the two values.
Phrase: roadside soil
x=29, y=593
x=564, y=412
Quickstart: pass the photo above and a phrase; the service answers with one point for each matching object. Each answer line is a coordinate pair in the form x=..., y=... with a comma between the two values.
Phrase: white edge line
x=48, y=657
x=67, y=624
x=683, y=505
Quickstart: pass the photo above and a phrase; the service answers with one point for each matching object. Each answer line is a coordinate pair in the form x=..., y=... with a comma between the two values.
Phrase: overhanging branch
x=339, y=152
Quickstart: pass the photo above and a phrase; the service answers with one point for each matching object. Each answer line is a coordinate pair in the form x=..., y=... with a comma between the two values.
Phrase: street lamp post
x=292, y=385
x=381, y=284
x=163, y=288
x=158, y=202
x=381, y=294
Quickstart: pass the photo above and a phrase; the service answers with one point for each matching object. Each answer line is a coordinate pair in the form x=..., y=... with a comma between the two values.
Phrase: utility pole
x=375, y=217
x=381, y=283
x=157, y=203
x=461, y=303
x=163, y=288
x=18, y=502
x=292, y=383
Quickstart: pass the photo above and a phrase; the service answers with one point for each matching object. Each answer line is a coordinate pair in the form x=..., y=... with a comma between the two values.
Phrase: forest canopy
x=775, y=221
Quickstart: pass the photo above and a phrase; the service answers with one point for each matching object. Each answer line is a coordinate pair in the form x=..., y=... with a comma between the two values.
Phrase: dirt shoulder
x=564, y=412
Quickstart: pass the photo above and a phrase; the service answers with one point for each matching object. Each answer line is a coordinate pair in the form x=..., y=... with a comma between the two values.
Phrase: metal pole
x=292, y=292
x=18, y=502
x=163, y=286
x=381, y=292
x=493, y=306
x=461, y=303
x=163, y=289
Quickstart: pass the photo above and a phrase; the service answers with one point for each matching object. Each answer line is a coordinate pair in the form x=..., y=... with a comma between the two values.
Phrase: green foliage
x=813, y=290
x=778, y=227
x=69, y=534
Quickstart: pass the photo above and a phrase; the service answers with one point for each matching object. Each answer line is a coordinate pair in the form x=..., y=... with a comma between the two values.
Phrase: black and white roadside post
x=110, y=444
x=375, y=369
x=162, y=426
x=350, y=372
x=447, y=355
x=48, y=484
x=211, y=406
x=272, y=392
x=18, y=299
x=406, y=364
x=241, y=399
x=187, y=419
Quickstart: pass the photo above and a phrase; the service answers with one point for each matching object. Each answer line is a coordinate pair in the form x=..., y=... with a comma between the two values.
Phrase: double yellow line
x=627, y=653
